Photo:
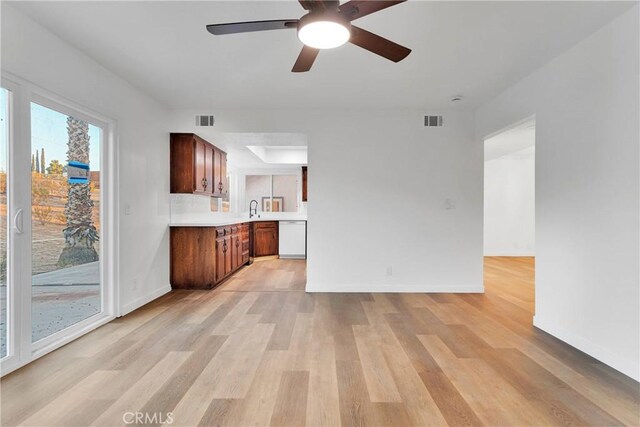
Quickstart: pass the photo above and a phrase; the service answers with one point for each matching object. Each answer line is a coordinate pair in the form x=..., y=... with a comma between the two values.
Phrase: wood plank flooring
x=260, y=351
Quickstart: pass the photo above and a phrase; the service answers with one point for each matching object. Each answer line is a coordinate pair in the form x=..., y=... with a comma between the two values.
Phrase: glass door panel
x=4, y=223
x=65, y=227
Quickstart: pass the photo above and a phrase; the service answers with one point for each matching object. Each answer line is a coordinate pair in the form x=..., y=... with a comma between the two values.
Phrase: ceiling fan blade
x=246, y=27
x=355, y=9
x=307, y=4
x=305, y=59
x=378, y=45
x=319, y=4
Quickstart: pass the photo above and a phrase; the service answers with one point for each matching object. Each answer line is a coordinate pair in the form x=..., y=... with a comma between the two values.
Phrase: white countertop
x=219, y=222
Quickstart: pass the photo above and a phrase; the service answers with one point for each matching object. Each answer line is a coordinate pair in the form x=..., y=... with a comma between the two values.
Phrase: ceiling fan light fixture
x=324, y=31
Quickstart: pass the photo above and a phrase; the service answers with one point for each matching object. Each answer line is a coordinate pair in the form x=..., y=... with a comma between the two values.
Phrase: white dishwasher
x=293, y=239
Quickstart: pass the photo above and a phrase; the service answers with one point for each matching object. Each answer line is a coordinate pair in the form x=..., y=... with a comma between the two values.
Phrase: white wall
x=378, y=181
x=509, y=205
x=34, y=54
x=586, y=106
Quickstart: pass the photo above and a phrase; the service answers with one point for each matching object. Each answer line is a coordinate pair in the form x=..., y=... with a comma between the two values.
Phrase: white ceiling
x=278, y=149
x=475, y=49
x=519, y=140
x=280, y=155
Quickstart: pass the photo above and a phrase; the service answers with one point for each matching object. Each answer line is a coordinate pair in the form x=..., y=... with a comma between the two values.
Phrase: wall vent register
x=204, y=120
x=433, y=121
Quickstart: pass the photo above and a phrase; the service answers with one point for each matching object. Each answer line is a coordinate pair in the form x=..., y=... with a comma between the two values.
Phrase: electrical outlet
x=389, y=271
x=449, y=204
x=127, y=209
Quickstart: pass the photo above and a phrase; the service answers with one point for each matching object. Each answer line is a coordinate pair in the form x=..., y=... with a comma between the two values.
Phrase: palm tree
x=80, y=234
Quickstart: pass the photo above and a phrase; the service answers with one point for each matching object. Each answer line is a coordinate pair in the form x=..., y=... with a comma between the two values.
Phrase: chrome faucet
x=253, y=211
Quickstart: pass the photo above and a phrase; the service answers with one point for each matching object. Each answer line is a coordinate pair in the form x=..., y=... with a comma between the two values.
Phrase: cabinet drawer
x=266, y=224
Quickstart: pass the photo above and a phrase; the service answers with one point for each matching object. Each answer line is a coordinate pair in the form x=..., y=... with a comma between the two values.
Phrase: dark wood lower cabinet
x=221, y=251
x=203, y=257
x=265, y=238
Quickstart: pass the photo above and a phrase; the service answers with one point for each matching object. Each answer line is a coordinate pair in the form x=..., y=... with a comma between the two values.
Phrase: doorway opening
x=509, y=211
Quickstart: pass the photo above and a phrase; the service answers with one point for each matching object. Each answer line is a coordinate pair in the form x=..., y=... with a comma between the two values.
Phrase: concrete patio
x=60, y=298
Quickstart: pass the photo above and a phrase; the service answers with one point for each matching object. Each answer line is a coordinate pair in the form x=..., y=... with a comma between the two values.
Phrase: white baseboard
x=145, y=299
x=618, y=362
x=396, y=288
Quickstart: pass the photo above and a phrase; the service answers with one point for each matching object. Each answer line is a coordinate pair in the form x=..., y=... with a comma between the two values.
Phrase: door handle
x=17, y=222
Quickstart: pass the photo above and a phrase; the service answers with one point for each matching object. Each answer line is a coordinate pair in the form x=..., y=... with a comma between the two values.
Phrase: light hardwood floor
x=260, y=351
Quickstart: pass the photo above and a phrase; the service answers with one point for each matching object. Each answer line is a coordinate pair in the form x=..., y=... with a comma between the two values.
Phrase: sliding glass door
x=4, y=219
x=65, y=220
x=55, y=223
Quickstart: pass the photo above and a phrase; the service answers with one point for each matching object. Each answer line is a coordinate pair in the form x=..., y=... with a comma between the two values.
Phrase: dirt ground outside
x=49, y=195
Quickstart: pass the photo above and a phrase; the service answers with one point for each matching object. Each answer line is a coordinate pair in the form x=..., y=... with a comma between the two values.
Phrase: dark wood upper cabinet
x=224, y=182
x=221, y=186
x=304, y=183
x=201, y=167
x=197, y=166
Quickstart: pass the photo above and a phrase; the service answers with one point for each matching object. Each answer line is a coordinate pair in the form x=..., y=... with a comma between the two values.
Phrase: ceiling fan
x=325, y=26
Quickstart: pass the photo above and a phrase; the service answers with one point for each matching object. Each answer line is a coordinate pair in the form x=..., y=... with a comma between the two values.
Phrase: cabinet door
x=200, y=174
x=228, y=253
x=233, y=251
x=209, y=167
x=215, y=183
x=223, y=184
x=237, y=251
x=266, y=241
x=304, y=183
x=220, y=262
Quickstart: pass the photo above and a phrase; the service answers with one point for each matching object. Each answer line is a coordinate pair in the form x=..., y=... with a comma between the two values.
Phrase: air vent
x=204, y=120
x=433, y=121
